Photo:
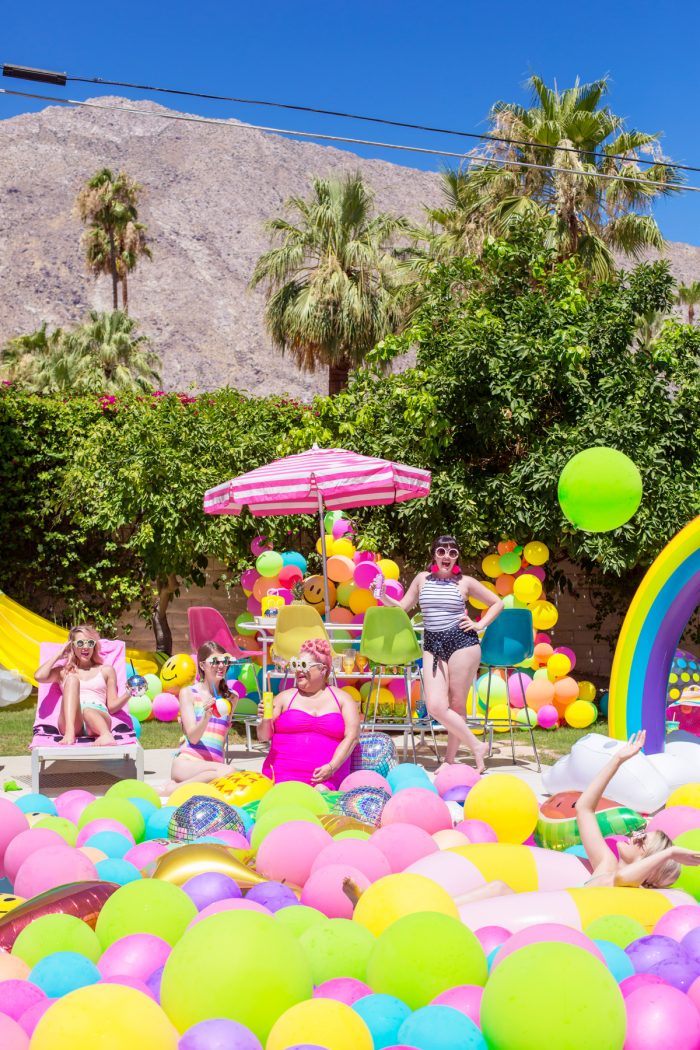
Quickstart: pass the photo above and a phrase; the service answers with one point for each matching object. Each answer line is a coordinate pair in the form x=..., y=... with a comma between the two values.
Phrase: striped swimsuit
x=442, y=605
x=212, y=743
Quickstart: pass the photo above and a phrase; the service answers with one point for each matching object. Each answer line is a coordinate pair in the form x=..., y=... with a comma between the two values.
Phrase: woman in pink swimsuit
x=314, y=728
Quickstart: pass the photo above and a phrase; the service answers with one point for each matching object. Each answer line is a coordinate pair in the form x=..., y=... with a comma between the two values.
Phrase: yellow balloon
x=343, y=547
x=104, y=1017
x=389, y=569
x=489, y=587
x=687, y=795
x=558, y=665
x=527, y=588
x=506, y=803
x=536, y=553
x=393, y=896
x=183, y=792
x=8, y=901
x=177, y=672
x=544, y=615
x=183, y=863
x=320, y=1022
x=499, y=713
x=329, y=546
x=586, y=691
x=580, y=714
x=242, y=787
x=361, y=600
x=491, y=566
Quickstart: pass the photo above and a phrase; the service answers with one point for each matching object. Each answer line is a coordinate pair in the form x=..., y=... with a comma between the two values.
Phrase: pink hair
x=90, y=632
x=320, y=650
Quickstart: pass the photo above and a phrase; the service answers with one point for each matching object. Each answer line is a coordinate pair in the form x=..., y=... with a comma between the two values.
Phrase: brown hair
x=206, y=651
x=95, y=656
x=444, y=541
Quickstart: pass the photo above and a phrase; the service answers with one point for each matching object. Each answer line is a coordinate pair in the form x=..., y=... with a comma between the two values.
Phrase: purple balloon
x=680, y=974
x=219, y=1033
x=651, y=951
x=210, y=887
x=691, y=943
x=272, y=895
x=153, y=982
x=456, y=794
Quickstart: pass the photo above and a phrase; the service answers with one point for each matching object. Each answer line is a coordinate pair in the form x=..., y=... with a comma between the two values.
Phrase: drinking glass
x=348, y=661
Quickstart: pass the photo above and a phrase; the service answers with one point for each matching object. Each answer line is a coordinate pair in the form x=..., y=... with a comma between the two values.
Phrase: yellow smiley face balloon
x=177, y=672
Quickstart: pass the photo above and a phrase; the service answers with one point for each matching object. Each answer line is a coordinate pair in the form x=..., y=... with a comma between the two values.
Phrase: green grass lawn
x=16, y=732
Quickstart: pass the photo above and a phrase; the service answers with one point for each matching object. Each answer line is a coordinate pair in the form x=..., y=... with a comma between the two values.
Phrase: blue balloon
x=577, y=850
x=603, y=704
x=144, y=806
x=248, y=821
x=63, y=972
x=157, y=823
x=114, y=869
x=37, y=804
x=415, y=782
x=383, y=1015
x=137, y=729
x=406, y=773
x=294, y=558
x=491, y=956
x=616, y=959
x=441, y=1028
x=110, y=842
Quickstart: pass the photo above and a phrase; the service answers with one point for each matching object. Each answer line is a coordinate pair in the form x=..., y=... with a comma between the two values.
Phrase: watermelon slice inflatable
x=557, y=828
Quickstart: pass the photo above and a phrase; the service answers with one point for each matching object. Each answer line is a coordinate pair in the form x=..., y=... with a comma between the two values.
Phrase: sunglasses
x=219, y=661
x=450, y=552
x=298, y=664
x=85, y=643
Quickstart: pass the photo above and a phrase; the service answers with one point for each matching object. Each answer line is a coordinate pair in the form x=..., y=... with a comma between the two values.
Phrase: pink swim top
x=93, y=691
x=302, y=742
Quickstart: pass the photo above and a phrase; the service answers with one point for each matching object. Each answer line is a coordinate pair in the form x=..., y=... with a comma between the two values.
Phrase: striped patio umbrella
x=316, y=481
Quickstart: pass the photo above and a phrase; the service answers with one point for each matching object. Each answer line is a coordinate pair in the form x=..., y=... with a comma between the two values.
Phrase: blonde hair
x=667, y=871
x=95, y=656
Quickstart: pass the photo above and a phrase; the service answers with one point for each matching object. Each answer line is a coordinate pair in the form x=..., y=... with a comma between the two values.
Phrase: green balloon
x=134, y=789
x=689, y=879
x=353, y=835
x=424, y=954
x=600, y=489
x=246, y=706
x=337, y=948
x=509, y=562
x=299, y=917
x=56, y=933
x=155, y=686
x=248, y=676
x=240, y=629
x=273, y=819
x=114, y=809
x=293, y=793
x=65, y=828
x=146, y=906
x=239, y=965
x=269, y=563
x=140, y=707
x=620, y=929
x=330, y=518
x=584, y=1005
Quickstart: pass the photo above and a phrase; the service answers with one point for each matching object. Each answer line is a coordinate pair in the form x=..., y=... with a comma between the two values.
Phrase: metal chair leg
x=409, y=719
x=510, y=719
x=532, y=737
x=486, y=713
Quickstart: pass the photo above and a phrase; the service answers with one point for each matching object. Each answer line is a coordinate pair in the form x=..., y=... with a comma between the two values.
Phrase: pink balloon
x=324, y=890
x=166, y=707
x=546, y=932
x=517, y=684
x=394, y=589
x=16, y=996
x=237, y=688
x=358, y=853
x=534, y=570
x=260, y=544
x=129, y=982
x=70, y=804
x=31, y=1017
x=341, y=527
x=136, y=955
x=359, y=618
x=565, y=651
x=403, y=844
x=542, y=636
x=547, y=716
x=253, y=606
x=397, y=687
x=465, y=997
x=365, y=574
x=12, y=1035
x=239, y=904
x=102, y=824
x=692, y=993
x=284, y=592
x=675, y=820
x=343, y=989
x=248, y=579
x=12, y=822
x=477, y=831
x=491, y=937
x=661, y=1016
x=418, y=806
x=678, y=921
x=51, y=867
x=287, y=853
x=641, y=980
x=365, y=778
x=145, y=853
x=235, y=839
x=455, y=775
x=360, y=556
x=26, y=843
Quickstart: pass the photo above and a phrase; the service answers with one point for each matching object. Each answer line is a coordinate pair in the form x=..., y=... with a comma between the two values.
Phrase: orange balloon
x=565, y=690
x=341, y=615
x=263, y=584
x=340, y=568
x=539, y=692
x=506, y=546
x=505, y=584
x=542, y=652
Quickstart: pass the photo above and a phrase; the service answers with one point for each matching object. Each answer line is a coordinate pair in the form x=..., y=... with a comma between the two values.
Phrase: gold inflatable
x=179, y=865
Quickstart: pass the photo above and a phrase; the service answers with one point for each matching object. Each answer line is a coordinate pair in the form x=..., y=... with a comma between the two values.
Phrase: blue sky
x=423, y=62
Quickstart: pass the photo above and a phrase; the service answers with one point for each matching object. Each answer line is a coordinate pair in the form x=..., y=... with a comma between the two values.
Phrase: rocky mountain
x=207, y=192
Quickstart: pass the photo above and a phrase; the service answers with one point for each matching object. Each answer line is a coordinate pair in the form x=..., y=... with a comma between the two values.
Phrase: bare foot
x=68, y=739
x=104, y=740
x=480, y=754
x=446, y=765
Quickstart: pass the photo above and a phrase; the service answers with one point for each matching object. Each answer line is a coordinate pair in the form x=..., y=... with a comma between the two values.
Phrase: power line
x=46, y=76
x=235, y=125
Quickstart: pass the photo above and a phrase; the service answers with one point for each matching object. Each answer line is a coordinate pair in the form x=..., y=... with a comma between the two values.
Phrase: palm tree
x=103, y=355
x=689, y=295
x=114, y=240
x=332, y=278
x=595, y=202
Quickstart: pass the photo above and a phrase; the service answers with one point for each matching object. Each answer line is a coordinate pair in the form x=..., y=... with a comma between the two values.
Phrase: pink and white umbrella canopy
x=342, y=479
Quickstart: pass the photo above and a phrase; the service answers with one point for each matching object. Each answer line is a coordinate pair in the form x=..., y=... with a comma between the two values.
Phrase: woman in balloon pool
x=206, y=709
x=451, y=650
x=314, y=728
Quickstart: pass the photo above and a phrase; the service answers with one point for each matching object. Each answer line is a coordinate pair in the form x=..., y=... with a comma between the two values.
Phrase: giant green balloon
x=552, y=995
x=56, y=933
x=424, y=954
x=146, y=906
x=293, y=793
x=600, y=489
x=337, y=948
x=298, y=918
x=237, y=964
x=689, y=879
x=619, y=929
x=118, y=809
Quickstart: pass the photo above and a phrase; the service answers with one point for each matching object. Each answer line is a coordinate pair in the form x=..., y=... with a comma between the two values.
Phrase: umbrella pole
x=326, y=592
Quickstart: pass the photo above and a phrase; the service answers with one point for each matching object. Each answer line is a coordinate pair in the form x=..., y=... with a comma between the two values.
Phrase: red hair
x=320, y=650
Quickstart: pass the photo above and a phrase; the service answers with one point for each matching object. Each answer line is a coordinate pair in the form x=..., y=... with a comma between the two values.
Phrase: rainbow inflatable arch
x=658, y=614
